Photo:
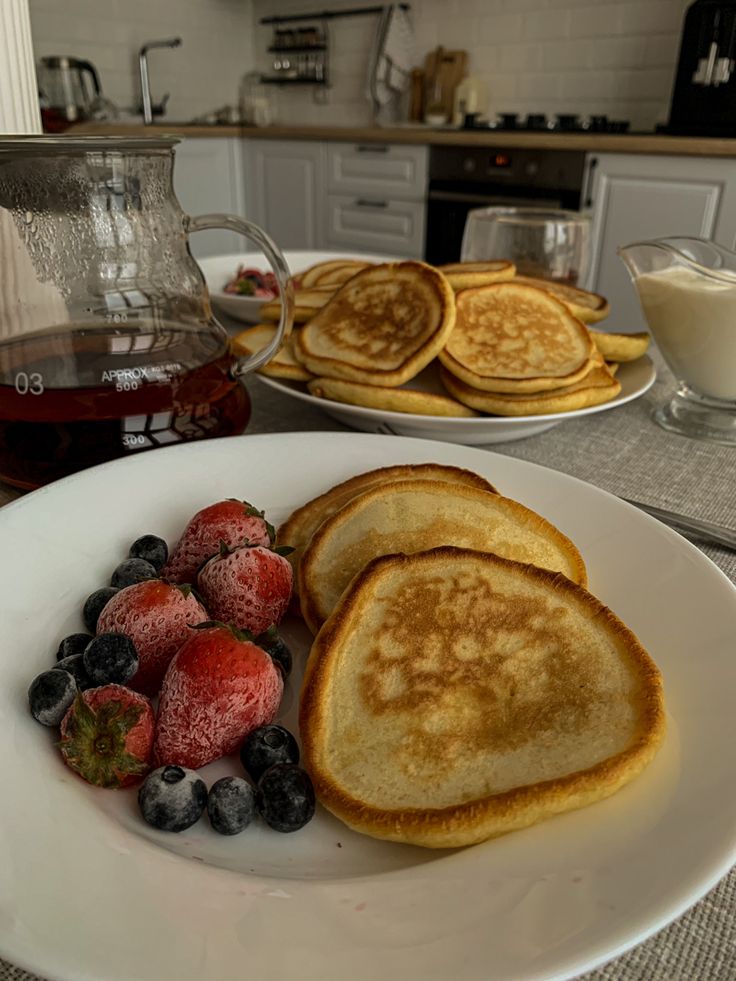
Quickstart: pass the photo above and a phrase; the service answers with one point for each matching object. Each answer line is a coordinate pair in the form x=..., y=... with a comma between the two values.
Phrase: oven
x=463, y=178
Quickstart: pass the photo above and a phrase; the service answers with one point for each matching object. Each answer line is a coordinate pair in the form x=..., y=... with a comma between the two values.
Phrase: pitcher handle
x=281, y=270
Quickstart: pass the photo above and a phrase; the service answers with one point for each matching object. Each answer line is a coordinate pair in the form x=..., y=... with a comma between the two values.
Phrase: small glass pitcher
x=687, y=290
x=108, y=344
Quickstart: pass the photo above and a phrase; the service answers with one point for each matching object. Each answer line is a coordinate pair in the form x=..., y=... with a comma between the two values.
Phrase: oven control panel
x=554, y=169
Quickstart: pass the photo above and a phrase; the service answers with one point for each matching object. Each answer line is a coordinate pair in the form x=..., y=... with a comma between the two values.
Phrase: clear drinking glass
x=541, y=242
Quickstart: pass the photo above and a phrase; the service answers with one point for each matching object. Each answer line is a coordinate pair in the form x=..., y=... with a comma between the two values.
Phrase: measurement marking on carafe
x=29, y=384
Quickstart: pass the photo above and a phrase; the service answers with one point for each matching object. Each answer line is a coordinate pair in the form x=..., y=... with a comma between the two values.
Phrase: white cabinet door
x=378, y=169
x=642, y=197
x=208, y=177
x=386, y=227
x=284, y=187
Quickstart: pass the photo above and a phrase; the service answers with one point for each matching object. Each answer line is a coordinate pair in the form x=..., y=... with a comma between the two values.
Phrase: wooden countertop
x=593, y=142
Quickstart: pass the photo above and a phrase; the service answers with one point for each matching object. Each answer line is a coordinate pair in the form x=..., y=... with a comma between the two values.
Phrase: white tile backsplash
x=565, y=56
x=553, y=56
x=203, y=74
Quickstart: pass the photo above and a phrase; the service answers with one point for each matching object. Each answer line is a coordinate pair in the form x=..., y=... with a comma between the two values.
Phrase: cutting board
x=444, y=70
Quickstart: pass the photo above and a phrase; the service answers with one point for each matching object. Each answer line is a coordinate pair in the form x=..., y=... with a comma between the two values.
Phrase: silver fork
x=704, y=531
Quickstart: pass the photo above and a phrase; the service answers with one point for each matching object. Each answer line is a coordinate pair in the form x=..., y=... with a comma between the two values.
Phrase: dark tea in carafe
x=74, y=398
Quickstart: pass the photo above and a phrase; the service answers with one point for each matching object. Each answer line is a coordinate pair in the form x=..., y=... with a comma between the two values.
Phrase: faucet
x=148, y=107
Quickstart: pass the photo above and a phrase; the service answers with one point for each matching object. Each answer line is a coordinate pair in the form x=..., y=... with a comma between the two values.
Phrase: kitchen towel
x=392, y=56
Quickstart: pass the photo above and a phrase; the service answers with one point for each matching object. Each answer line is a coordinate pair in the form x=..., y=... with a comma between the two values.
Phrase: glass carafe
x=687, y=290
x=108, y=344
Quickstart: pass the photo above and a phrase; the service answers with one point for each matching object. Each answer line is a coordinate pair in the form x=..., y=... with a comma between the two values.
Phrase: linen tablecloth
x=624, y=452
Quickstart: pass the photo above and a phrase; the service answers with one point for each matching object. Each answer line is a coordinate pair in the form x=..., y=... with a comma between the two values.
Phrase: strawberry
x=107, y=736
x=248, y=586
x=218, y=688
x=156, y=615
x=233, y=522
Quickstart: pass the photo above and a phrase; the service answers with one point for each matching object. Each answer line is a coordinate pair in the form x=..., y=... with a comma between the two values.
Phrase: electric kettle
x=70, y=92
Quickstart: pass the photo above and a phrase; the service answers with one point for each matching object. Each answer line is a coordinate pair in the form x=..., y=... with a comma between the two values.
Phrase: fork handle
x=705, y=531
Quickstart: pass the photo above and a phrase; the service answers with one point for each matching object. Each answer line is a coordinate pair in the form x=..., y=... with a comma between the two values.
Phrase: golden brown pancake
x=341, y=274
x=389, y=399
x=283, y=364
x=453, y=696
x=305, y=520
x=620, y=347
x=514, y=338
x=412, y=516
x=598, y=386
x=310, y=277
x=586, y=306
x=382, y=327
x=466, y=275
x=306, y=303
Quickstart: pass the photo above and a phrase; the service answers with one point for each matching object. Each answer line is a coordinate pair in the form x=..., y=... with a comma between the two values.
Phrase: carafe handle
x=283, y=277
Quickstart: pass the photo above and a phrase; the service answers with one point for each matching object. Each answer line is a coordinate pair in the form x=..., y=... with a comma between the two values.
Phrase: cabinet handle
x=367, y=203
x=372, y=148
x=588, y=198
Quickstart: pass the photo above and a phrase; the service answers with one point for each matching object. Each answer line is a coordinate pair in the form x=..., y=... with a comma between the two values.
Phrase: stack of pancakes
x=463, y=681
x=457, y=340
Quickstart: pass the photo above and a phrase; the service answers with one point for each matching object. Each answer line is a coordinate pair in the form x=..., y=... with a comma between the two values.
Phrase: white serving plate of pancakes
x=636, y=378
x=89, y=891
x=220, y=269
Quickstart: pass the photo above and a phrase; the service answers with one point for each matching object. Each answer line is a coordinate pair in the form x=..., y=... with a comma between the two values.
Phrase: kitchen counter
x=650, y=143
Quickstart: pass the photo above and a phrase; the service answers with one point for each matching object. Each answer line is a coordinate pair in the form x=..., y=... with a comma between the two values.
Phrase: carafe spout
x=641, y=258
x=700, y=256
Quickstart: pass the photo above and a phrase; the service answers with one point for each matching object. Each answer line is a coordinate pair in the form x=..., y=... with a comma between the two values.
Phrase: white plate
x=219, y=270
x=90, y=893
x=636, y=377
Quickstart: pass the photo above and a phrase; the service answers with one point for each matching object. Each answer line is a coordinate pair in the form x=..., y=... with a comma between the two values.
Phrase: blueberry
x=285, y=797
x=231, y=805
x=110, y=659
x=94, y=605
x=132, y=571
x=172, y=798
x=151, y=548
x=73, y=644
x=277, y=648
x=265, y=746
x=74, y=664
x=50, y=695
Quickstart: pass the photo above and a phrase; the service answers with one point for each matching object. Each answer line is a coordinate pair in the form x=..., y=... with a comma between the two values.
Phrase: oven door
x=448, y=209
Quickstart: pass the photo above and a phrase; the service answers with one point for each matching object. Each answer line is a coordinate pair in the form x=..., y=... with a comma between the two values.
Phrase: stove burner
x=569, y=122
x=563, y=123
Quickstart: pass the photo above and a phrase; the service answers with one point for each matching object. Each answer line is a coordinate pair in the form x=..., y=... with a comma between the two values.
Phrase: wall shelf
x=276, y=80
x=327, y=14
x=296, y=49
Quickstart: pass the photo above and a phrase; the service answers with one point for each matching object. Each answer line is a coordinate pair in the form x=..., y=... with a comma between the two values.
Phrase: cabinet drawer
x=376, y=224
x=377, y=168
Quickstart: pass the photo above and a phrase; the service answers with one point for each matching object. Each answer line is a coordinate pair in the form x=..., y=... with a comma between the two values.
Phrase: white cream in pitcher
x=693, y=319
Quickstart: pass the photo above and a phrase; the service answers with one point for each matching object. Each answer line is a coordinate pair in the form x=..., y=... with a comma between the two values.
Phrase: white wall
x=580, y=56
x=201, y=75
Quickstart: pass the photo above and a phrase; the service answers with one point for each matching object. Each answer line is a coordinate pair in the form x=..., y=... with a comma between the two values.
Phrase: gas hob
x=513, y=122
